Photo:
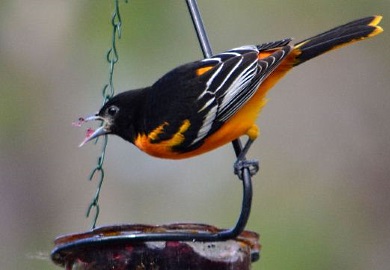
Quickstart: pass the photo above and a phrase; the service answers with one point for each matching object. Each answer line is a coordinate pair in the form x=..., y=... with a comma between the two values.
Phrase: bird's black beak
x=98, y=132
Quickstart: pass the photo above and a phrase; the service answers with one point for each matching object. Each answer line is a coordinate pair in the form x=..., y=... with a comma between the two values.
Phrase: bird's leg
x=241, y=162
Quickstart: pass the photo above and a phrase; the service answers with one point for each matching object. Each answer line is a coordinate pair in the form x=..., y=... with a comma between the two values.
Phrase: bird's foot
x=252, y=165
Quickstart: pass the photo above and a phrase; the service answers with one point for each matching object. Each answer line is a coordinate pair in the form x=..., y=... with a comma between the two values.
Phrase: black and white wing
x=210, y=91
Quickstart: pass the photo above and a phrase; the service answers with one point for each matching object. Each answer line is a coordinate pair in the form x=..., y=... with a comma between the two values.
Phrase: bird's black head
x=119, y=116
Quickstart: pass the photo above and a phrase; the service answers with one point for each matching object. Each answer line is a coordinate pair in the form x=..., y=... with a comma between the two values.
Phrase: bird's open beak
x=94, y=134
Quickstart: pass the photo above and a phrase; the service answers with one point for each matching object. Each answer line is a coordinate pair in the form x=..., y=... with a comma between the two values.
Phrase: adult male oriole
x=205, y=104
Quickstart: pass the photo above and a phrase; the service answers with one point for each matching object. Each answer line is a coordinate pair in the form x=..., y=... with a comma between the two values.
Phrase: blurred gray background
x=321, y=200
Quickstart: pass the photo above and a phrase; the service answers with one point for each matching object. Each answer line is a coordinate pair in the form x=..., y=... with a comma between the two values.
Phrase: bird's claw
x=252, y=165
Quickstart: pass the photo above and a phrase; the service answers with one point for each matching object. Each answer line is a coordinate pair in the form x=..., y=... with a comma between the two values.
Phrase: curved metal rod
x=199, y=28
x=173, y=236
x=245, y=177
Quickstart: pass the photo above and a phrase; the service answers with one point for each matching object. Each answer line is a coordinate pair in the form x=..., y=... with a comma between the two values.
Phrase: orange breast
x=237, y=126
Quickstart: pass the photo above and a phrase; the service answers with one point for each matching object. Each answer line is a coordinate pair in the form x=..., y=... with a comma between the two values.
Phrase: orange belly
x=238, y=125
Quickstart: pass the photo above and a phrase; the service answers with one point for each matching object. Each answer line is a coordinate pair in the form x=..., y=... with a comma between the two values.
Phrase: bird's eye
x=112, y=110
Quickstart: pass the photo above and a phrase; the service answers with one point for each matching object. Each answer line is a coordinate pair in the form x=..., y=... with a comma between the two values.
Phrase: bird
x=200, y=106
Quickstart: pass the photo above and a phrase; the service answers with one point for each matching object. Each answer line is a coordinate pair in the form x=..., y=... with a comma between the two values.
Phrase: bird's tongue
x=90, y=133
x=79, y=123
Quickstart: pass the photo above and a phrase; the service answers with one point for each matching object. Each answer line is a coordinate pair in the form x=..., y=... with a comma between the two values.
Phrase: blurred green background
x=322, y=198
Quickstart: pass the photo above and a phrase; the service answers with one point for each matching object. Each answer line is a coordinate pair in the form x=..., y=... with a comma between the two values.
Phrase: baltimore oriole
x=205, y=104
